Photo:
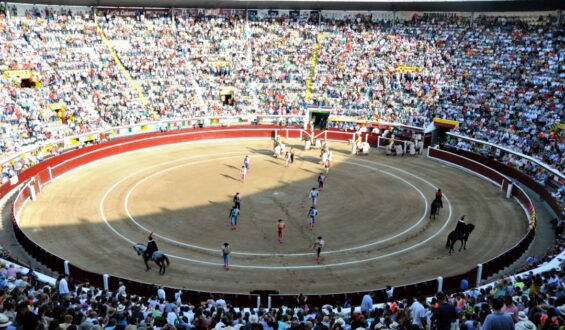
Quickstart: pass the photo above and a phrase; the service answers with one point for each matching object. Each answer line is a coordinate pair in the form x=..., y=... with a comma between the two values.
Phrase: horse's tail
x=448, y=241
x=166, y=259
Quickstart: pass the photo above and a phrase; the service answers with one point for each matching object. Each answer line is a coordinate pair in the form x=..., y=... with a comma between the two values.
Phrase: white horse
x=279, y=150
x=325, y=157
x=365, y=148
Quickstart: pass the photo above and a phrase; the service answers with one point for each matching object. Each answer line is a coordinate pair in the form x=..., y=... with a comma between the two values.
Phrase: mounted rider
x=461, y=225
x=438, y=198
x=151, y=247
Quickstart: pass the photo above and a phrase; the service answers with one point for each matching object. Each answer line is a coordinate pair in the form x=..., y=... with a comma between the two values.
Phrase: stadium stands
x=501, y=78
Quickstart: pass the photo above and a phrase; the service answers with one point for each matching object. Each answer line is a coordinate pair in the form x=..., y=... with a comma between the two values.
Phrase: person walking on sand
x=314, y=196
x=280, y=230
x=312, y=213
x=226, y=250
x=318, y=246
x=237, y=200
x=243, y=173
x=234, y=213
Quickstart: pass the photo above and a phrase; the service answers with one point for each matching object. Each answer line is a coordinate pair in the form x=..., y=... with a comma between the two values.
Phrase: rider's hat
x=150, y=236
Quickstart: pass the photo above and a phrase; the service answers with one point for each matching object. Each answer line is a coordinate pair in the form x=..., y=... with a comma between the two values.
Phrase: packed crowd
x=526, y=302
x=78, y=87
x=501, y=79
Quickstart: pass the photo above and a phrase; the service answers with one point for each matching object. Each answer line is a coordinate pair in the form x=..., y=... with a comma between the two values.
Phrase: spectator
x=445, y=314
x=498, y=320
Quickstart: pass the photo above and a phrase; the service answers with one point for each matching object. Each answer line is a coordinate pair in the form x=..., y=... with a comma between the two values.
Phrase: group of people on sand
x=281, y=225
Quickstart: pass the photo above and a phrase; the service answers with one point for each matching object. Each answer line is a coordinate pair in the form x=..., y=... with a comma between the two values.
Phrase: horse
x=459, y=236
x=436, y=205
x=158, y=257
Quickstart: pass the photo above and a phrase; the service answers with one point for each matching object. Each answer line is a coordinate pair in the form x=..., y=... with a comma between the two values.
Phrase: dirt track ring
x=292, y=270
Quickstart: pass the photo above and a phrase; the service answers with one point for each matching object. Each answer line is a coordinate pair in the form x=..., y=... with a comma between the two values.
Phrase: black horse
x=455, y=236
x=158, y=257
x=436, y=205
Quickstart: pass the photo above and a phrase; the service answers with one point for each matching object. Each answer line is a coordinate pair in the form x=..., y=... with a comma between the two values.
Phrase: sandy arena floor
x=373, y=215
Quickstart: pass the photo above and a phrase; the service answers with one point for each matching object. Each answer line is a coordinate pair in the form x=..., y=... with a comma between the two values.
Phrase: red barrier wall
x=73, y=159
x=496, y=264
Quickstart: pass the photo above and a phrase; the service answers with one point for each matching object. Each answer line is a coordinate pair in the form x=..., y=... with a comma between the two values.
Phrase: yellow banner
x=446, y=122
x=408, y=68
x=56, y=106
x=223, y=64
x=557, y=127
x=18, y=74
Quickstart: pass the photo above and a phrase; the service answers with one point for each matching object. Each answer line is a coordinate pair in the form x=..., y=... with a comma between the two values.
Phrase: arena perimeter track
x=373, y=215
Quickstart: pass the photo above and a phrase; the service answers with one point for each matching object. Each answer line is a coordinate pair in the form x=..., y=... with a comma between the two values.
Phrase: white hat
x=339, y=321
x=380, y=326
x=253, y=318
x=394, y=326
x=526, y=325
x=120, y=308
x=562, y=310
x=4, y=321
x=522, y=316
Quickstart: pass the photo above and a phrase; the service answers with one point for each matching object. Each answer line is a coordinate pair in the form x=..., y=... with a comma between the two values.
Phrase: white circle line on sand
x=285, y=267
x=140, y=182
x=102, y=201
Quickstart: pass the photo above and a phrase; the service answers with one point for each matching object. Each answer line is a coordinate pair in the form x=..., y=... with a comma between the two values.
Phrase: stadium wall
x=43, y=173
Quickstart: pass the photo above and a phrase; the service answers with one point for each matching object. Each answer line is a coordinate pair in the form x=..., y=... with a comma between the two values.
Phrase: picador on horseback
x=438, y=199
x=151, y=247
x=150, y=252
x=461, y=225
x=461, y=233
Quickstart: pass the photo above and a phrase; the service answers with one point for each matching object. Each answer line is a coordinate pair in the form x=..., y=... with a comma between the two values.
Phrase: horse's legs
x=146, y=264
x=462, y=240
x=451, y=243
x=465, y=244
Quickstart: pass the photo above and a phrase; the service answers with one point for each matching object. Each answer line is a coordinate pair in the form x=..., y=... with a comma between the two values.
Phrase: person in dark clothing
x=237, y=201
x=444, y=314
x=26, y=319
x=461, y=225
x=438, y=198
x=151, y=247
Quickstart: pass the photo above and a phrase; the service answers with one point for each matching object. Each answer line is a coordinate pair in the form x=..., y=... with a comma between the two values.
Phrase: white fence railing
x=557, y=173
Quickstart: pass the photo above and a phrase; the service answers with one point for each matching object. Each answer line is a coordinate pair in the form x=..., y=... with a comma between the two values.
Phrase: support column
x=479, y=273
x=66, y=267
x=31, y=189
x=509, y=189
x=439, y=283
x=105, y=280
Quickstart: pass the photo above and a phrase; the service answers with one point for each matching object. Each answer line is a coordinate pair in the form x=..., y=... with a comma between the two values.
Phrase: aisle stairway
x=308, y=94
